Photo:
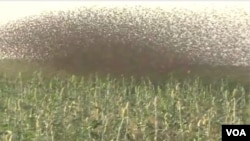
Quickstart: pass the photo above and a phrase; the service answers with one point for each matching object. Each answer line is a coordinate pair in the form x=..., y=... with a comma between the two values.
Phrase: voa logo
x=236, y=132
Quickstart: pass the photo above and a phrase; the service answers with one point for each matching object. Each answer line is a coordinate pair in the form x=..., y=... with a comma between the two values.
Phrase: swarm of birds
x=154, y=35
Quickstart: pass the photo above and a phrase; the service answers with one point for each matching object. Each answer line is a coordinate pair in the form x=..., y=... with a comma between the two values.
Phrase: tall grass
x=94, y=108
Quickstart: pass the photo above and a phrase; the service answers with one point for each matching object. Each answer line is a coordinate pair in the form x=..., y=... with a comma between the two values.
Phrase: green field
x=39, y=103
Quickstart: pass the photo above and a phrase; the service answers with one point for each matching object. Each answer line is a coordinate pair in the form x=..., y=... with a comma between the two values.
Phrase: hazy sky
x=11, y=10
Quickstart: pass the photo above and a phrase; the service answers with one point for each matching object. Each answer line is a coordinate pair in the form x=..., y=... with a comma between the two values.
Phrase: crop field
x=38, y=105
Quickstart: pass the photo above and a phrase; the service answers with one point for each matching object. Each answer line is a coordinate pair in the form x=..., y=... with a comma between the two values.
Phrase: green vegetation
x=42, y=105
